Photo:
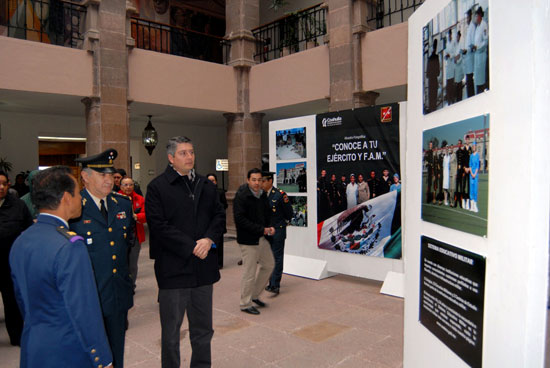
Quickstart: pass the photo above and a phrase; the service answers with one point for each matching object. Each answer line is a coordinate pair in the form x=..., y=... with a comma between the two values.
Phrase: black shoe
x=259, y=303
x=240, y=263
x=272, y=289
x=251, y=310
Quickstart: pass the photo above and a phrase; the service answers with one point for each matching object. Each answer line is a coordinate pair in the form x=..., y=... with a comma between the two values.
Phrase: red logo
x=385, y=114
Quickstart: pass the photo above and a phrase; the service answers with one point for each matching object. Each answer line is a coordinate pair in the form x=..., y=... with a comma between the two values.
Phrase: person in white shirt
x=450, y=68
x=481, y=41
x=468, y=54
x=459, y=67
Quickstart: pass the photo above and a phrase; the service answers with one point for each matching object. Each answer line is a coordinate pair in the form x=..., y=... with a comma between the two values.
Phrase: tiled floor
x=337, y=322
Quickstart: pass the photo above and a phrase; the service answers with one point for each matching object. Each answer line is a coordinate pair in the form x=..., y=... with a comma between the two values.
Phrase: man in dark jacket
x=185, y=218
x=281, y=214
x=252, y=219
x=14, y=218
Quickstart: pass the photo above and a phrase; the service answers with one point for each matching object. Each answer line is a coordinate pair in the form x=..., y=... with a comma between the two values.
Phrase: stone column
x=347, y=26
x=243, y=127
x=359, y=29
x=107, y=118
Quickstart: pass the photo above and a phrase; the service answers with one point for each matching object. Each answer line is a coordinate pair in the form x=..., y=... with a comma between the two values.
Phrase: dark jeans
x=278, y=248
x=14, y=321
x=133, y=258
x=172, y=306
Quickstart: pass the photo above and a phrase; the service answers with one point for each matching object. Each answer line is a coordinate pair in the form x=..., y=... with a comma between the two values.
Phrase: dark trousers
x=470, y=91
x=172, y=306
x=115, y=327
x=14, y=321
x=219, y=250
x=278, y=248
x=133, y=258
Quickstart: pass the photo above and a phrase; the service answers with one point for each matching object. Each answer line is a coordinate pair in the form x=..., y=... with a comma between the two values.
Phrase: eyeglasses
x=127, y=185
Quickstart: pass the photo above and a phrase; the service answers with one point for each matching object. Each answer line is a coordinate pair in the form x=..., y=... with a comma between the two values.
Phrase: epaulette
x=71, y=235
x=120, y=195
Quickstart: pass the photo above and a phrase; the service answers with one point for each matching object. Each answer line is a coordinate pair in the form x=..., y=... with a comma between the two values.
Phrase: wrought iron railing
x=385, y=13
x=295, y=32
x=179, y=41
x=49, y=21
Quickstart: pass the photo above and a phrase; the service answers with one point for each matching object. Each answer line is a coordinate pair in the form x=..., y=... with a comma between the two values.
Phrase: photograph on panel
x=291, y=177
x=455, y=54
x=299, y=206
x=455, y=175
x=290, y=144
x=358, y=181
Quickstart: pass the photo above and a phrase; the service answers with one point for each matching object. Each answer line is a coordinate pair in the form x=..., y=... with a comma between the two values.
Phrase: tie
x=102, y=209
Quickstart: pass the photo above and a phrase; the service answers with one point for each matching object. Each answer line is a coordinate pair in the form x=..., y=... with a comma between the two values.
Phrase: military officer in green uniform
x=280, y=217
x=106, y=224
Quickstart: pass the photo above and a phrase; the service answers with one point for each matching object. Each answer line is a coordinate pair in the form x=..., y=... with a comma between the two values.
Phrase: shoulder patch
x=285, y=198
x=71, y=235
x=120, y=195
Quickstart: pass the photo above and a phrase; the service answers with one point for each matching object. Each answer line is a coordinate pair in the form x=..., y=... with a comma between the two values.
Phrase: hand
x=202, y=248
x=135, y=217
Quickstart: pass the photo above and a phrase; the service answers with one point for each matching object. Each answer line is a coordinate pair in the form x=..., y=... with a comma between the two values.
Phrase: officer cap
x=267, y=175
x=102, y=162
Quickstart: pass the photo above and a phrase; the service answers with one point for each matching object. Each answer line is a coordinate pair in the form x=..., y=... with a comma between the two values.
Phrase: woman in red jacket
x=138, y=204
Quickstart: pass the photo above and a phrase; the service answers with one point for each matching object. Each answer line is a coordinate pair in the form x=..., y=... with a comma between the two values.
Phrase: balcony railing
x=295, y=32
x=179, y=41
x=385, y=13
x=48, y=21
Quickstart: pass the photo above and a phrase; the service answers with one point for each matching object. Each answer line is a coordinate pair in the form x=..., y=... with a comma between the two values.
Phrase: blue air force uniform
x=107, y=247
x=281, y=214
x=57, y=295
x=107, y=241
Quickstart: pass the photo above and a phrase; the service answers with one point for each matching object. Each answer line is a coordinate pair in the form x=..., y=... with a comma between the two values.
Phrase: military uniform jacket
x=281, y=210
x=57, y=295
x=107, y=246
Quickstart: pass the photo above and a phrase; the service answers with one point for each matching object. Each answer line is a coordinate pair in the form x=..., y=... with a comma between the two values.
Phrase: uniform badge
x=114, y=199
x=285, y=198
x=89, y=241
x=87, y=221
x=121, y=215
x=83, y=201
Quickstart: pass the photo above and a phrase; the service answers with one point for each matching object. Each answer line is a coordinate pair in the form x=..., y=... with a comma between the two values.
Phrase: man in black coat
x=14, y=218
x=185, y=220
x=252, y=219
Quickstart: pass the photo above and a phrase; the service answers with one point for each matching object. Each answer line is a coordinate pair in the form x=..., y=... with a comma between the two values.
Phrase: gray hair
x=173, y=144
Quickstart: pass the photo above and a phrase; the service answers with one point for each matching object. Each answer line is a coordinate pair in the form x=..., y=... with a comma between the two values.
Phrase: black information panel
x=452, y=283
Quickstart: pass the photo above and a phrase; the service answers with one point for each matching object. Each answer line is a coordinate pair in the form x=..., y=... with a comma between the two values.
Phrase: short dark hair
x=122, y=172
x=253, y=171
x=3, y=173
x=212, y=174
x=49, y=186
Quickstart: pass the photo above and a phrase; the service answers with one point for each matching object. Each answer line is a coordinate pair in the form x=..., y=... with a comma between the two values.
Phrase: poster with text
x=358, y=181
x=455, y=54
x=452, y=288
x=455, y=175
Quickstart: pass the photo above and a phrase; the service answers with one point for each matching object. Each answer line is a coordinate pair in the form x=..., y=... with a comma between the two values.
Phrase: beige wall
x=40, y=67
x=291, y=80
x=182, y=82
x=385, y=57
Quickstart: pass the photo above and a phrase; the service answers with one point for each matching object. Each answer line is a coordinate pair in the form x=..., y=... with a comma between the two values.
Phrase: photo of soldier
x=455, y=54
x=455, y=177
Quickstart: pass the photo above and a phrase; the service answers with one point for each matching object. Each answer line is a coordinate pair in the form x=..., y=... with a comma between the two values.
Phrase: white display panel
x=301, y=241
x=516, y=244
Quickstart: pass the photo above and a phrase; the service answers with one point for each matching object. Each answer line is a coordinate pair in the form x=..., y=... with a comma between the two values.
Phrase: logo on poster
x=385, y=114
x=328, y=122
